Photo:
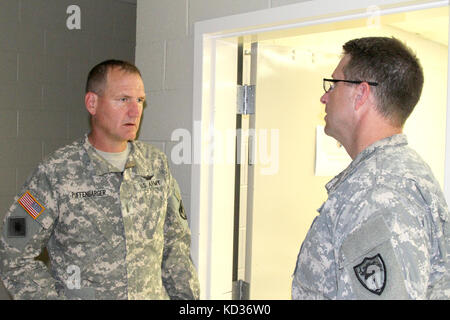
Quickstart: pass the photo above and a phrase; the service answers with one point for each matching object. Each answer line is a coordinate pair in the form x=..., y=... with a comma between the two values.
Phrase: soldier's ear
x=90, y=101
x=361, y=94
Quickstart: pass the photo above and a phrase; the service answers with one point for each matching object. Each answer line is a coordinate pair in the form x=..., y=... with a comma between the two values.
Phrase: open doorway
x=279, y=207
x=288, y=88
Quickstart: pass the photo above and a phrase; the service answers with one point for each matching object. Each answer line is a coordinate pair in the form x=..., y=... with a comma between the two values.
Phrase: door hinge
x=246, y=99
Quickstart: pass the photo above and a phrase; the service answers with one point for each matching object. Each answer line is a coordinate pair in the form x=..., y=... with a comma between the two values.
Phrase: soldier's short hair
x=97, y=76
x=394, y=67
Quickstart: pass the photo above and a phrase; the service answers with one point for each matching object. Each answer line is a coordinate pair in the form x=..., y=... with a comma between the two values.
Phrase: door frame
x=209, y=213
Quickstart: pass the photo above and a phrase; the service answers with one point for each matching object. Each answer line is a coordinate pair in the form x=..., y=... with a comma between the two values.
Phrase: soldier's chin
x=131, y=137
x=326, y=130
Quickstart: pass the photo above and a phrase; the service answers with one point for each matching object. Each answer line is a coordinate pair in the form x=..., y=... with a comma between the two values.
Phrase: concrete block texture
x=45, y=61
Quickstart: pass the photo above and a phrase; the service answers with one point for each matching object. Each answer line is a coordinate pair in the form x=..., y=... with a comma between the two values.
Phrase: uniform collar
x=101, y=166
x=370, y=151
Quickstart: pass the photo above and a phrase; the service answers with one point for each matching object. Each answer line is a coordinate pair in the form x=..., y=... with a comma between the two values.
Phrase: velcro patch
x=17, y=227
x=371, y=263
x=31, y=205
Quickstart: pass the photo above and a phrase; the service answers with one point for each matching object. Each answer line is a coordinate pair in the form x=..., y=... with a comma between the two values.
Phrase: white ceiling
x=431, y=24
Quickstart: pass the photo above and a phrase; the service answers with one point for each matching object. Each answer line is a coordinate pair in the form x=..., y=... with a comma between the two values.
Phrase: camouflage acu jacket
x=383, y=232
x=109, y=234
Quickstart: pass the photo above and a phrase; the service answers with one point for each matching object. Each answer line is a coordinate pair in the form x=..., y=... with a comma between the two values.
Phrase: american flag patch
x=30, y=204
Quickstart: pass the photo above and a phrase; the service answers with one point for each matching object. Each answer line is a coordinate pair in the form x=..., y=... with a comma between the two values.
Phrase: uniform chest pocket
x=144, y=212
x=87, y=220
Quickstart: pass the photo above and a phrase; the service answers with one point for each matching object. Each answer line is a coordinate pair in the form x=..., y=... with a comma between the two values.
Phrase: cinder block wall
x=43, y=69
x=165, y=55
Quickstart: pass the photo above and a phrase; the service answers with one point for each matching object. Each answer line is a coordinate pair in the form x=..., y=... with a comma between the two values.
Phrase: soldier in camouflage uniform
x=383, y=232
x=114, y=229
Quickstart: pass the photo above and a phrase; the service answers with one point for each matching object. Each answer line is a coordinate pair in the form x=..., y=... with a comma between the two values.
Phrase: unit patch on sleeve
x=31, y=205
x=371, y=273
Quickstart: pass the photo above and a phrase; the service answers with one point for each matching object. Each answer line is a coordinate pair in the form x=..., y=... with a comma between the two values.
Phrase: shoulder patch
x=371, y=273
x=31, y=205
x=371, y=263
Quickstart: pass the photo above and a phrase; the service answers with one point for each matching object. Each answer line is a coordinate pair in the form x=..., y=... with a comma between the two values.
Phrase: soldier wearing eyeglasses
x=383, y=232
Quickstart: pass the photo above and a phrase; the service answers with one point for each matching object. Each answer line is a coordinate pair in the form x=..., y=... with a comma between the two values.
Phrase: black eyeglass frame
x=371, y=83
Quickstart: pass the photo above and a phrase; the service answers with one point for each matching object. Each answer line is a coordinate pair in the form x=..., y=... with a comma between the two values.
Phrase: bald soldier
x=383, y=232
x=106, y=207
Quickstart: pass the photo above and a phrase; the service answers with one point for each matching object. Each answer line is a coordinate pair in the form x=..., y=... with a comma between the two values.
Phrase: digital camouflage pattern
x=383, y=232
x=109, y=235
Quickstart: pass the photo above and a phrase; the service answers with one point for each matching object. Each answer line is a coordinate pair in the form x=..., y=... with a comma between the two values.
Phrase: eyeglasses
x=328, y=84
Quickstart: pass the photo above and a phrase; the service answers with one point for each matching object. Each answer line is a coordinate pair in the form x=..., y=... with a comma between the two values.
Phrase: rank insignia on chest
x=31, y=205
x=371, y=273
